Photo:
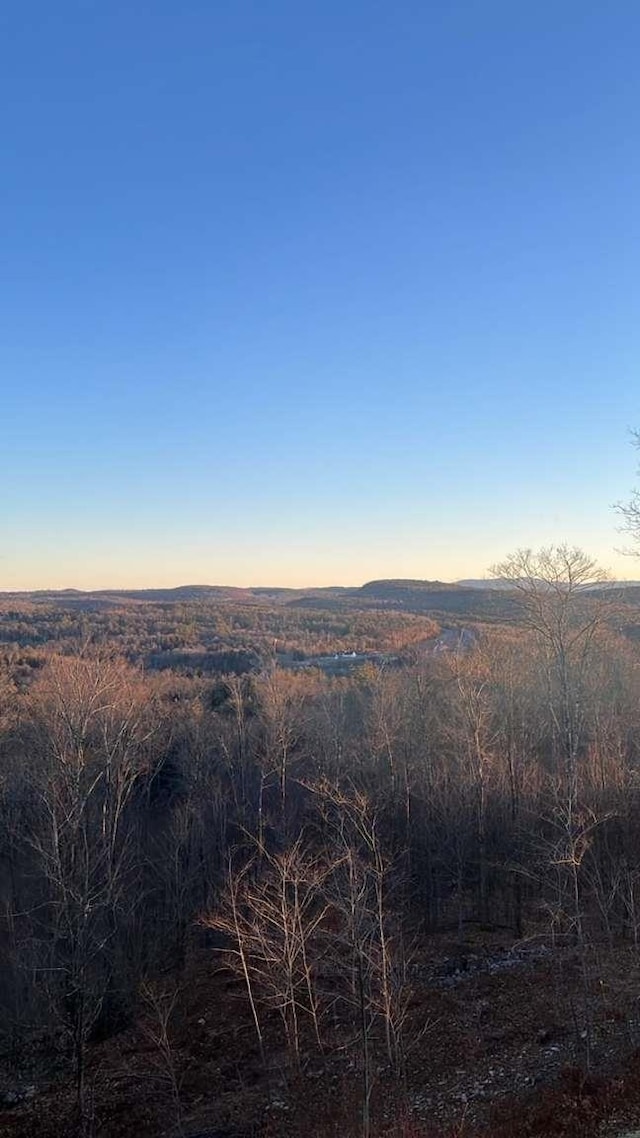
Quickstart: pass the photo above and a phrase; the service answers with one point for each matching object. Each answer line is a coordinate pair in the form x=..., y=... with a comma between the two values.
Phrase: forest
x=244, y=892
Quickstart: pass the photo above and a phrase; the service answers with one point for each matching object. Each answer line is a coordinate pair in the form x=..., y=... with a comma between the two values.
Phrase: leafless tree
x=271, y=919
x=554, y=588
x=630, y=511
x=362, y=883
x=90, y=734
x=159, y=1002
x=281, y=697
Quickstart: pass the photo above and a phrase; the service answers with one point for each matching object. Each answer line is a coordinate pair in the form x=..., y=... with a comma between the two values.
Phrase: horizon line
x=479, y=581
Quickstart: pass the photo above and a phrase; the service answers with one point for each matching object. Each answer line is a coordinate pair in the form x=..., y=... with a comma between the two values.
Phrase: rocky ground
x=503, y=1039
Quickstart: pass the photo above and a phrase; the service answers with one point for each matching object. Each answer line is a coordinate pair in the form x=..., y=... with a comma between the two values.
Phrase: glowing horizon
x=620, y=568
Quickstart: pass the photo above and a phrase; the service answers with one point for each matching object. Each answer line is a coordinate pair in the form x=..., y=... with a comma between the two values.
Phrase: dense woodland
x=182, y=804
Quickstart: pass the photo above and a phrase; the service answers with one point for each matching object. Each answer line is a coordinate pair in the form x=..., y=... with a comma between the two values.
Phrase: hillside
x=473, y=601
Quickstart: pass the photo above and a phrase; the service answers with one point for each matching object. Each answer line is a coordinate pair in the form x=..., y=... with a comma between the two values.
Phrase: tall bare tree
x=90, y=730
x=554, y=591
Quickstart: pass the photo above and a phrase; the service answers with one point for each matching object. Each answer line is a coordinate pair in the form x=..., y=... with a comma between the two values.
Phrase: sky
x=314, y=293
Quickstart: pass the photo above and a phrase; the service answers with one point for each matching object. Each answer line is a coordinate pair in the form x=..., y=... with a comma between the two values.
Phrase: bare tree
x=476, y=738
x=556, y=601
x=553, y=588
x=160, y=1002
x=630, y=511
x=281, y=697
x=363, y=880
x=271, y=920
x=90, y=731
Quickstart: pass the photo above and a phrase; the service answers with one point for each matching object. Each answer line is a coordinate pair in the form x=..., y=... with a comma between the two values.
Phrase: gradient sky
x=314, y=292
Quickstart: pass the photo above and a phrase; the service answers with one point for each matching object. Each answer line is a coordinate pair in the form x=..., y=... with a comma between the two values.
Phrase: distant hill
x=466, y=600
x=176, y=594
x=393, y=586
x=441, y=598
x=438, y=599
x=109, y=597
x=181, y=593
x=483, y=583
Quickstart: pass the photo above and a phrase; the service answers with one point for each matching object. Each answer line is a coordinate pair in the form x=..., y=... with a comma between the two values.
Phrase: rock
x=9, y=1099
x=278, y=1104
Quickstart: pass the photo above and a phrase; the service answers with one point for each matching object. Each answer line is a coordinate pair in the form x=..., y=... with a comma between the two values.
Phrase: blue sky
x=310, y=293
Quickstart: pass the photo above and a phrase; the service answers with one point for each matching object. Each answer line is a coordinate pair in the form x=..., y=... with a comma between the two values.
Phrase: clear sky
x=314, y=292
